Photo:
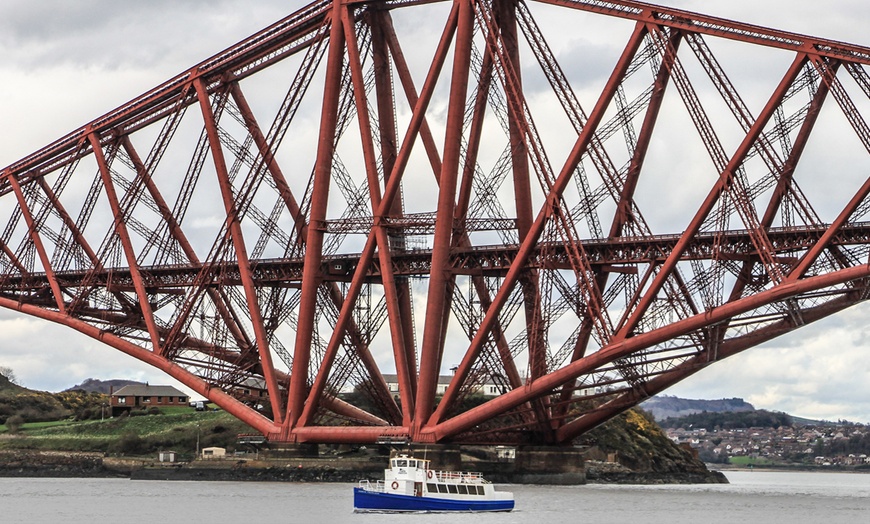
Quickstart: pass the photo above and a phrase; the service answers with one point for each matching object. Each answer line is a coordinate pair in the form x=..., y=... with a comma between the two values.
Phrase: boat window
x=402, y=463
x=431, y=488
x=442, y=488
x=479, y=490
x=412, y=463
x=463, y=490
x=452, y=488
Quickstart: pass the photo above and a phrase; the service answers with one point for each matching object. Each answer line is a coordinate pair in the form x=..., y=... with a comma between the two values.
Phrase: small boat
x=411, y=485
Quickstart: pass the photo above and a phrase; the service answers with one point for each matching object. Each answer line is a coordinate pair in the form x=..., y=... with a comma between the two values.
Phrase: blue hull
x=375, y=501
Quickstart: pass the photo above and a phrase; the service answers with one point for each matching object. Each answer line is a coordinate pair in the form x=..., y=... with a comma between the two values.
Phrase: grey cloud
x=110, y=35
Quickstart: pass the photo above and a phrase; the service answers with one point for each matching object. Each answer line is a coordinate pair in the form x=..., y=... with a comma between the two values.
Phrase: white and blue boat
x=411, y=485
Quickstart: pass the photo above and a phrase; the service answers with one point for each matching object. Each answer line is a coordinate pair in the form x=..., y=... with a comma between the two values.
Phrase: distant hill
x=759, y=418
x=664, y=407
x=93, y=385
x=801, y=421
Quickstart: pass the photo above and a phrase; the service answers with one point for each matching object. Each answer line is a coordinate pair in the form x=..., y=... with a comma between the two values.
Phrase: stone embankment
x=61, y=464
x=22, y=463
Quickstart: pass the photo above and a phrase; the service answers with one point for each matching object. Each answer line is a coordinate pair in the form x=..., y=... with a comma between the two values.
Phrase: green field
x=749, y=461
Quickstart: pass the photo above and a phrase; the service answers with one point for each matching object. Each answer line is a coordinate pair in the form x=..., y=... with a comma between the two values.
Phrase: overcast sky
x=64, y=63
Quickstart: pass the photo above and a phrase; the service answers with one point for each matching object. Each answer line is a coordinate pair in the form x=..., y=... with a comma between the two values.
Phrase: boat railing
x=372, y=486
x=461, y=477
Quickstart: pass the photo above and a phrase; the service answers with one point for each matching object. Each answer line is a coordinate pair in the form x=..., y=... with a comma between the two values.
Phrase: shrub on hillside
x=84, y=405
x=129, y=443
x=34, y=406
x=13, y=423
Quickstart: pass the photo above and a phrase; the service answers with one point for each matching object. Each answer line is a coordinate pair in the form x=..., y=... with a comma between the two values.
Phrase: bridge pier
x=550, y=465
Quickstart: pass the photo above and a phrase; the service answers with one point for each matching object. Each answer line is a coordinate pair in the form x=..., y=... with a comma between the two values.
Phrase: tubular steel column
x=440, y=277
x=37, y=244
x=319, y=200
x=404, y=370
x=507, y=22
x=386, y=103
x=235, y=228
x=124, y=236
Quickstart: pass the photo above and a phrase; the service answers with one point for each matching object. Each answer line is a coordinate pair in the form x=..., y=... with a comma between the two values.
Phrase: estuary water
x=752, y=496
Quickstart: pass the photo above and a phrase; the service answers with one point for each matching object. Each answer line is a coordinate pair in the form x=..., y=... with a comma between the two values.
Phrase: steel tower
x=311, y=227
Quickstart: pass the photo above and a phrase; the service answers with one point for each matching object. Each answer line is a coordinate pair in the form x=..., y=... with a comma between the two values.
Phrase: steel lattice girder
x=420, y=222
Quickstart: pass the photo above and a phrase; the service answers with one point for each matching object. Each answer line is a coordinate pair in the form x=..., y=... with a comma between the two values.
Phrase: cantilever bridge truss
x=308, y=227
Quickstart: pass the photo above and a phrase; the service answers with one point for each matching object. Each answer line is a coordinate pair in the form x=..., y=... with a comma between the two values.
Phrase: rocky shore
x=614, y=473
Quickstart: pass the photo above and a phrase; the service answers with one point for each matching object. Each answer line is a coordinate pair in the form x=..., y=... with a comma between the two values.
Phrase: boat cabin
x=409, y=475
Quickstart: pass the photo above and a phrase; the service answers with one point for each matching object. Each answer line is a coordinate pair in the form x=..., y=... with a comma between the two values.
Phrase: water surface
x=757, y=496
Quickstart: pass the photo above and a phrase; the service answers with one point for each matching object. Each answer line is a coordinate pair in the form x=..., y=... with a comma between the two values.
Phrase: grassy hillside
x=177, y=429
x=29, y=405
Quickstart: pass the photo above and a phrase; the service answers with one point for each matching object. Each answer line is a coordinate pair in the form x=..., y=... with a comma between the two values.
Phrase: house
x=213, y=453
x=488, y=388
x=167, y=456
x=143, y=396
x=505, y=454
x=251, y=390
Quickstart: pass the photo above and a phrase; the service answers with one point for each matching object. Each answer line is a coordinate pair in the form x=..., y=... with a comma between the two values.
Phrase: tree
x=7, y=372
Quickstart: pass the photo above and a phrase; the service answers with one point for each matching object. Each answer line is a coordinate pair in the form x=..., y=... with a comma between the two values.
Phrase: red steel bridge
x=369, y=192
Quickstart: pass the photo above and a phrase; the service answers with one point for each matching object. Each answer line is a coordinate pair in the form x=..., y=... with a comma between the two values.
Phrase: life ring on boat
x=429, y=473
x=394, y=485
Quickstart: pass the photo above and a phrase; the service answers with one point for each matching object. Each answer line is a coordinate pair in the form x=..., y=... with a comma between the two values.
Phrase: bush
x=84, y=405
x=90, y=414
x=128, y=444
x=34, y=406
x=13, y=423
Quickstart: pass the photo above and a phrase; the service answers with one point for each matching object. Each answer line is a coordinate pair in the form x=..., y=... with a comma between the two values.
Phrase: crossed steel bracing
x=311, y=263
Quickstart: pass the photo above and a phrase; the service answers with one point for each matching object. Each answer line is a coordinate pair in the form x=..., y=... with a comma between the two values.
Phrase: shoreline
x=806, y=468
x=45, y=464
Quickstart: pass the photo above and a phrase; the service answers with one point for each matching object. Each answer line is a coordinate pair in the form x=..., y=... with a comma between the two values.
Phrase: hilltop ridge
x=7, y=387
x=662, y=407
x=93, y=385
